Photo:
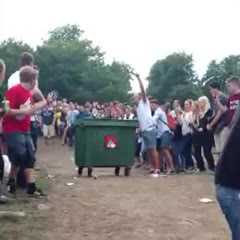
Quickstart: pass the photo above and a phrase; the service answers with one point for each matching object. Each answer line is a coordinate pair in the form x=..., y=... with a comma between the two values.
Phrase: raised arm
x=143, y=93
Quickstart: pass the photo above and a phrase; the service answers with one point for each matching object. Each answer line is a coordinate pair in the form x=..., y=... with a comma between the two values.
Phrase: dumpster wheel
x=90, y=170
x=117, y=171
x=127, y=171
x=80, y=171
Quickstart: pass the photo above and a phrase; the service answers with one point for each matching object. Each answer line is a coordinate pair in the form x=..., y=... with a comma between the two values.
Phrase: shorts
x=165, y=141
x=149, y=138
x=48, y=131
x=20, y=149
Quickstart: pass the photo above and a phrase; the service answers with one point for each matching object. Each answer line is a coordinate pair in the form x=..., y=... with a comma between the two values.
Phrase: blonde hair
x=195, y=114
x=206, y=105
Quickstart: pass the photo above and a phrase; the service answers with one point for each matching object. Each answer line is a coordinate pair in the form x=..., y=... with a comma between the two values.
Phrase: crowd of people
x=182, y=134
x=169, y=139
x=181, y=137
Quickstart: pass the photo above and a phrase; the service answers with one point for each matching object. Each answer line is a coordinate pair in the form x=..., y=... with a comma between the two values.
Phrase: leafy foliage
x=173, y=78
x=220, y=71
x=72, y=66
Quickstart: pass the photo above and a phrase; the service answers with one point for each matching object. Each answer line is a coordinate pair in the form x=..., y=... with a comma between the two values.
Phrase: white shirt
x=15, y=79
x=144, y=115
x=161, y=119
x=186, y=120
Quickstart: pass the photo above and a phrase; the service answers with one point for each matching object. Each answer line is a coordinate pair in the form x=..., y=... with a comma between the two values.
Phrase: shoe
x=11, y=187
x=155, y=173
x=138, y=165
x=211, y=172
x=171, y=172
x=37, y=193
x=151, y=171
x=192, y=170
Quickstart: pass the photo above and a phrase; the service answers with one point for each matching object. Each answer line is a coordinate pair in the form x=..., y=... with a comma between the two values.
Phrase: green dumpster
x=105, y=143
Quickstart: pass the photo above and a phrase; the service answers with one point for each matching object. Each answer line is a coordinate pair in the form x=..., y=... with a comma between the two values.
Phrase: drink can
x=6, y=106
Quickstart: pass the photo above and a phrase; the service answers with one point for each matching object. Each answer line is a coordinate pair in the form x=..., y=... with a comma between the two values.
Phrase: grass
x=25, y=228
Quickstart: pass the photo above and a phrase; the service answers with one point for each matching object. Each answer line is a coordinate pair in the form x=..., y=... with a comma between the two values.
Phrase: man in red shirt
x=233, y=86
x=16, y=129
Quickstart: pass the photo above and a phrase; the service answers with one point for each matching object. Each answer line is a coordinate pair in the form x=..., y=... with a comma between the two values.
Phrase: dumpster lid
x=106, y=123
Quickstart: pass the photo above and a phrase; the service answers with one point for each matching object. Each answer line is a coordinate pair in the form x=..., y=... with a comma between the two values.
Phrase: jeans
x=182, y=152
x=187, y=151
x=178, y=158
x=229, y=201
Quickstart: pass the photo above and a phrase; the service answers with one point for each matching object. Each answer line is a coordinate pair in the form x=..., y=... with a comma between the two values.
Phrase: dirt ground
x=134, y=208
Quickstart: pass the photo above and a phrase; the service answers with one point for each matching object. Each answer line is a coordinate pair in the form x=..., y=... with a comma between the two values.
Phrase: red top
x=18, y=98
x=171, y=121
x=233, y=101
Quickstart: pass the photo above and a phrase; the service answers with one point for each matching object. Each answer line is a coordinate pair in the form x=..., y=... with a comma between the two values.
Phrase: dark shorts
x=20, y=149
x=165, y=141
x=149, y=138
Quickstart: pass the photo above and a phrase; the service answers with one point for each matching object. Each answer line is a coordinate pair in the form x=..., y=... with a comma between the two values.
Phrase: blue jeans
x=229, y=201
x=178, y=158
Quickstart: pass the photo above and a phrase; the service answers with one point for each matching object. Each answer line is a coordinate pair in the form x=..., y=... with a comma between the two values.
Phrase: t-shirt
x=58, y=115
x=228, y=167
x=83, y=114
x=223, y=121
x=71, y=117
x=18, y=98
x=47, y=116
x=186, y=119
x=144, y=115
x=162, y=123
x=233, y=101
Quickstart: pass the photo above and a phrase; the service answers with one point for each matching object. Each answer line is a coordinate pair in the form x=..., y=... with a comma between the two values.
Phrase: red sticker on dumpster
x=110, y=142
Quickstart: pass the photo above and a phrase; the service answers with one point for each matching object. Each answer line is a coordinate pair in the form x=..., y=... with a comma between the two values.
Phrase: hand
x=135, y=74
x=216, y=98
x=178, y=111
x=209, y=127
x=30, y=110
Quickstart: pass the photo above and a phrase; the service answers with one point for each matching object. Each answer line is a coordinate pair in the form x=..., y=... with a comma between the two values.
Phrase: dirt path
x=128, y=208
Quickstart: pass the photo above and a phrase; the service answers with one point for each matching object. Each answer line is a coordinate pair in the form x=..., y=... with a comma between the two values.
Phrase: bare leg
x=13, y=172
x=64, y=135
x=155, y=162
x=169, y=159
x=29, y=172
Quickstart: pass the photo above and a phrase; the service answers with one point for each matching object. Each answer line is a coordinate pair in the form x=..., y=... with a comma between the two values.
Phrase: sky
x=137, y=32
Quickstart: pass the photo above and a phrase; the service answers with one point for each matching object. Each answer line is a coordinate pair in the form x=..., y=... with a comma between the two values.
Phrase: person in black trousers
x=202, y=138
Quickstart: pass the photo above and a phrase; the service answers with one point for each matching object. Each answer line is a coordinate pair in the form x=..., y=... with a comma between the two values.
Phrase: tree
x=220, y=71
x=10, y=51
x=76, y=69
x=173, y=77
x=65, y=34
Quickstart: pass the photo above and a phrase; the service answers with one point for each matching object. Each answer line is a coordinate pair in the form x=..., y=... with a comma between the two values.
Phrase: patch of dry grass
x=25, y=228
